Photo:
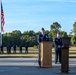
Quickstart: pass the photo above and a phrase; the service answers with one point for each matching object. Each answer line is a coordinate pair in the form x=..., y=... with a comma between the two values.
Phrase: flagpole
x=0, y=25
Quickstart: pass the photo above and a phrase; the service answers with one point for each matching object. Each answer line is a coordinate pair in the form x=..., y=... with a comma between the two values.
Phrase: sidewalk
x=29, y=66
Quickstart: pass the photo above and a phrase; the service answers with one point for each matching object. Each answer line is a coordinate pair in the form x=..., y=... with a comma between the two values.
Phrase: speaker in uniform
x=41, y=37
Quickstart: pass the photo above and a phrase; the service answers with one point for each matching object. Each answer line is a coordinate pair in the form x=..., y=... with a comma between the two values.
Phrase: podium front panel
x=46, y=54
x=65, y=60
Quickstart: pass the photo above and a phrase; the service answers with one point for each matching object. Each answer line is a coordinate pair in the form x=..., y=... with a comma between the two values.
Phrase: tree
x=71, y=32
x=31, y=33
x=73, y=39
x=74, y=28
x=55, y=27
x=63, y=34
x=16, y=37
x=25, y=32
x=4, y=39
x=47, y=32
x=24, y=39
x=51, y=35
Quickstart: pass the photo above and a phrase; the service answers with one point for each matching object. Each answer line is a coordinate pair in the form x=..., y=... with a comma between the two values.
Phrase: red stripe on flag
x=2, y=19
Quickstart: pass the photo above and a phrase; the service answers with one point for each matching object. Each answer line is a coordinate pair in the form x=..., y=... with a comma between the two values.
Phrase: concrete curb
x=18, y=57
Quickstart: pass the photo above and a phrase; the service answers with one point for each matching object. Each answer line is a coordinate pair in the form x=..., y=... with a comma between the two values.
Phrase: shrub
x=35, y=46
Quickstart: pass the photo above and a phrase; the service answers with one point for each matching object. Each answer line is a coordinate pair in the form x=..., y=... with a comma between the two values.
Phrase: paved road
x=29, y=66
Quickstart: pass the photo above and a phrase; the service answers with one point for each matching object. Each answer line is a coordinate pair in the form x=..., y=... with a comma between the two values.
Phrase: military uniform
x=41, y=38
x=26, y=48
x=9, y=49
x=20, y=48
x=14, y=48
x=58, y=48
x=2, y=49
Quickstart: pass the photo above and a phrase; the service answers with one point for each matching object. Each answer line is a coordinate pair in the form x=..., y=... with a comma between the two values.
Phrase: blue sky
x=26, y=15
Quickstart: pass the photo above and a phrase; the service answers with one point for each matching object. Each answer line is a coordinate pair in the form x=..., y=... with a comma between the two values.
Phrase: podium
x=65, y=55
x=46, y=54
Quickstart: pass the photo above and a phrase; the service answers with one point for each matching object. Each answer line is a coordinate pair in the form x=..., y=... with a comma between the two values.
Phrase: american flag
x=2, y=19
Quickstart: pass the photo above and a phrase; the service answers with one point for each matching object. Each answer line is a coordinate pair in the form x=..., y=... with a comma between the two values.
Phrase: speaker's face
x=58, y=35
x=42, y=31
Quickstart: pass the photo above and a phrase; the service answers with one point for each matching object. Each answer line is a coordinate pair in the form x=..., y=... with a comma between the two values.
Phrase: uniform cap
x=42, y=28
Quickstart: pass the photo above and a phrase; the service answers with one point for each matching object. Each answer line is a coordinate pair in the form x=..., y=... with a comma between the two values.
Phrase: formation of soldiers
x=8, y=48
